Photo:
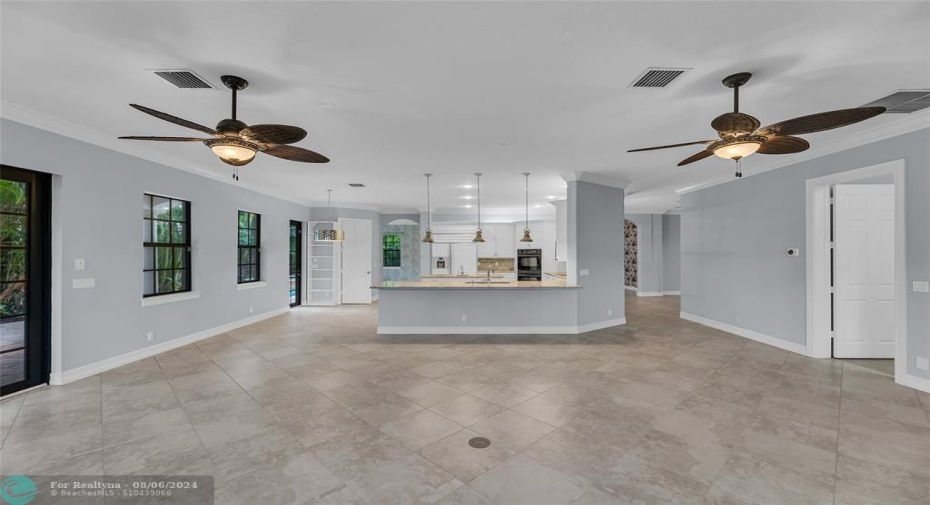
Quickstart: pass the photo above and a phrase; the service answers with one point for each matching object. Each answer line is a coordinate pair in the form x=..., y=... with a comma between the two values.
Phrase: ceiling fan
x=235, y=142
x=740, y=134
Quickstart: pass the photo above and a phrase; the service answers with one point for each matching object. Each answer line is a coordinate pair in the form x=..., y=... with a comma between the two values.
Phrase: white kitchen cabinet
x=464, y=259
x=441, y=251
x=505, y=243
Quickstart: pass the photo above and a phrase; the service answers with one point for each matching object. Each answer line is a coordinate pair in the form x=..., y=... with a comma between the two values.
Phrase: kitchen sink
x=487, y=281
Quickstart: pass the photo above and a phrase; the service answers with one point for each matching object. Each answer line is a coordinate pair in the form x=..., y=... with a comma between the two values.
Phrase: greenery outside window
x=166, y=240
x=391, y=250
x=249, y=247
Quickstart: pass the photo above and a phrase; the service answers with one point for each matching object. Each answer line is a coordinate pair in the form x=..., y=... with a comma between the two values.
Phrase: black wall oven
x=529, y=264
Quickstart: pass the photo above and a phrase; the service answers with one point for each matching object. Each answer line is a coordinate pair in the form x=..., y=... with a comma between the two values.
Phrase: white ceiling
x=456, y=88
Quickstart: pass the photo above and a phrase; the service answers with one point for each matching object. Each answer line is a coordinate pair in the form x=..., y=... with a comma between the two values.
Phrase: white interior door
x=864, y=276
x=356, y=260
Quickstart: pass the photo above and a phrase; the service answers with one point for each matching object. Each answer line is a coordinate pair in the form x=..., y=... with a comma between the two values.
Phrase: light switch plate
x=922, y=286
x=584, y=272
x=79, y=264
x=87, y=283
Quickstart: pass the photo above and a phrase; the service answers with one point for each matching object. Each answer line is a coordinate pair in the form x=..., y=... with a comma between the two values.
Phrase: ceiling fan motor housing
x=230, y=127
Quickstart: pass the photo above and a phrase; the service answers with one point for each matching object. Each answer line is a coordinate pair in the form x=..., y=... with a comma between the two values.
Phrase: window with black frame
x=166, y=256
x=250, y=225
x=391, y=250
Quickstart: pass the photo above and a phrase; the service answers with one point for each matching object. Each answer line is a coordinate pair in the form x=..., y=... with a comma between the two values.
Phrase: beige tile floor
x=313, y=407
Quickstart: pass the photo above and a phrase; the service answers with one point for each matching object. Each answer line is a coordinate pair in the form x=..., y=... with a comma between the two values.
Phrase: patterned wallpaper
x=630, y=252
x=409, y=253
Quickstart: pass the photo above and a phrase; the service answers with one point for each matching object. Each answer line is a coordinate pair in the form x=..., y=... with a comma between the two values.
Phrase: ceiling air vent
x=904, y=101
x=657, y=77
x=184, y=79
x=356, y=185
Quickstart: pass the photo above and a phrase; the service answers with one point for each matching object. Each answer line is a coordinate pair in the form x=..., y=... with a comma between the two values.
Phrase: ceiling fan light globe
x=738, y=150
x=234, y=152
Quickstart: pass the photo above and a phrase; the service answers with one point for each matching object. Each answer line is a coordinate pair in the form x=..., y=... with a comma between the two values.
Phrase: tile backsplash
x=498, y=264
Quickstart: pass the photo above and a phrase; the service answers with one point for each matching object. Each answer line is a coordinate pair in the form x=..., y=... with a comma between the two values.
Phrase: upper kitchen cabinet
x=498, y=242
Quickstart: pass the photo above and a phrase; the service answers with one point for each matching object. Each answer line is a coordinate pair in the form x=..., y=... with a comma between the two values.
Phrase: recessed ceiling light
x=537, y=206
x=551, y=197
x=326, y=105
x=468, y=206
x=467, y=186
x=468, y=197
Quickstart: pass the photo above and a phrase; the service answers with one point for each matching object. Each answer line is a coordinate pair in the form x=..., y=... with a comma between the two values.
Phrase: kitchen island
x=480, y=306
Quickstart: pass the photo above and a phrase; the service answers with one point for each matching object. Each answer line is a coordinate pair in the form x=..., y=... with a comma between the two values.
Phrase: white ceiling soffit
x=392, y=90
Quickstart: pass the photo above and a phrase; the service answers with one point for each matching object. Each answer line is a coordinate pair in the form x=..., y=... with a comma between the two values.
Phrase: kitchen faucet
x=490, y=271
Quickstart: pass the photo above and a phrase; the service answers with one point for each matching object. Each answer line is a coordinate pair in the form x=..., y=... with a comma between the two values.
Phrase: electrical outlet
x=923, y=363
x=464, y=317
x=150, y=336
x=610, y=312
x=79, y=264
x=922, y=287
x=83, y=283
x=584, y=272
x=251, y=309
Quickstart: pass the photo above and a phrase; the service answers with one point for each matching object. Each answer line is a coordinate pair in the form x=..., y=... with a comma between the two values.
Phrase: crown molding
x=913, y=122
x=602, y=180
x=45, y=122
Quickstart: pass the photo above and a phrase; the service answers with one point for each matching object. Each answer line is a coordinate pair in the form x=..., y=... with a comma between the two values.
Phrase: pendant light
x=332, y=234
x=526, y=225
x=428, y=238
x=478, y=234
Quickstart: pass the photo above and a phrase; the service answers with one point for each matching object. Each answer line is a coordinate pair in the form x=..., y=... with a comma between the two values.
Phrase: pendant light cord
x=329, y=208
x=526, y=187
x=429, y=212
x=478, y=184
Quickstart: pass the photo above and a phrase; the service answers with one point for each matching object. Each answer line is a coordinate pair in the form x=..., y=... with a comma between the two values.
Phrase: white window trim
x=169, y=298
x=251, y=285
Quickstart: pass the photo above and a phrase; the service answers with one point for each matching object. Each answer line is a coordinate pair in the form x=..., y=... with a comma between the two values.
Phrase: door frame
x=817, y=273
x=39, y=272
x=300, y=261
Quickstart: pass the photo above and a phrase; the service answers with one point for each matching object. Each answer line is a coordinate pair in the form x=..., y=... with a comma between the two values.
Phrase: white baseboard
x=915, y=382
x=498, y=330
x=742, y=332
x=673, y=293
x=630, y=288
x=58, y=379
x=648, y=293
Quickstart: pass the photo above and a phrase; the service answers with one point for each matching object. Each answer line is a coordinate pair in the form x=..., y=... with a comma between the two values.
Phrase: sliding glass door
x=25, y=283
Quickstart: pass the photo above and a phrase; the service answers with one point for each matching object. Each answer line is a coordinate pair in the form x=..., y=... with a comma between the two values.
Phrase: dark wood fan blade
x=783, y=145
x=822, y=121
x=273, y=134
x=697, y=157
x=672, y=145
x=296, y=154
x=173, y=119
x=165, y=139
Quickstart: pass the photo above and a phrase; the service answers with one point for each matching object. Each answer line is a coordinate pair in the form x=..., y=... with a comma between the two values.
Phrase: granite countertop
x=457, y=276
x=557, y=274
x=476, y=285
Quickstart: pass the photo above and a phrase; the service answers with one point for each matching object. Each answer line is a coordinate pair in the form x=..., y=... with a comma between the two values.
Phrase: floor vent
x=657, y=77
x=184, y=79
x=904, y=101
x=356, y=185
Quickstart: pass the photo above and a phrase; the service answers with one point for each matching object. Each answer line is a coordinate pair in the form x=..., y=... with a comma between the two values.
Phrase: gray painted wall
x=734, y=237
x=671, y=252
x=99, y=200
x=595, y=243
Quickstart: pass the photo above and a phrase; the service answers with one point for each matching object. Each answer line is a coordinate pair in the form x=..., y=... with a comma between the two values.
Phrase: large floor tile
x=454, y=455
x=522, y=480
x=420, y=428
